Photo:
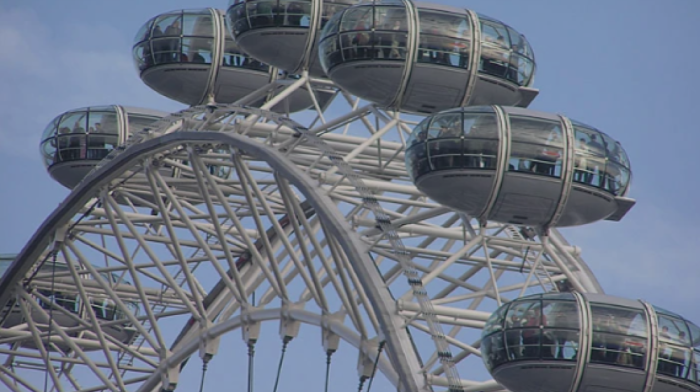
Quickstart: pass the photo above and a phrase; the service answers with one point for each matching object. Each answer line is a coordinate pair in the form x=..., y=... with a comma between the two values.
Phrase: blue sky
x=628, y=67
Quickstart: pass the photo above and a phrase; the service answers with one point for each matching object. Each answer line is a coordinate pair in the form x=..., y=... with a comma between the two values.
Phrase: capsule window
x=197, y=25
x=50, y=130
x=444, y=39
x=197, y=50
x=673, y=330
x=357, y=19
x=674, y=361
x=694, y=335
x=419, y=133
x=237, y=19
x=536, y=146
x=333, y=25
x=143, y=55
x=694, y=373
x=144, y=32
x=168, y=25
x=294, y=13
x=390, y=19
x=48, y=153
x=494, y=350
x=328, y=13
x=234, y=57
x=138, y=122
x=561, y=324
x=590, y=157
x=481, y=140
x=619, y=336
x=495, y=322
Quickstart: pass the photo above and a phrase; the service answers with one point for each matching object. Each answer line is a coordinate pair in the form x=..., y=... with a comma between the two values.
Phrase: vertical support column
x=311, y=36
x=567, y=174
x=411, y=49
x=502, y=161
x=475, y=58
x=217, y=55
x=122, y=125
x=652, y=346
x=585, y=338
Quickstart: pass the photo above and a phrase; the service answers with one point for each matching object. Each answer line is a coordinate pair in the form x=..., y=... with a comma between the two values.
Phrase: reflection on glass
x=183, y=37
x=444, y=39
x=380, y=32
x=505, y=53
x=254, y=14
x=235, y=58
x=89, y=134
x=454, y=140
x=495, y=321
x=600, y=161
x=533, y=329
x=619, y=336
x=673, y=330
x=536, y=147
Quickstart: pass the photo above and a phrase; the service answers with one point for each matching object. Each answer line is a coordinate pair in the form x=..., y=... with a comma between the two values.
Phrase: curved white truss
x=195, y=250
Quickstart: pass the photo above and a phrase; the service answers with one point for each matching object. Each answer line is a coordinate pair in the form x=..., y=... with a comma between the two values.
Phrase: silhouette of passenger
x=531, y=335
x=513, y=336
x=664, y=365
x=198, y=58
x=596, y=149
x=159, y=45
x=294, y=14
x=172, y=45
x=581, y=162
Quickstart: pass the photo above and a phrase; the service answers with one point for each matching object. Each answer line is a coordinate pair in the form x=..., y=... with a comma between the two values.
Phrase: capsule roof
x=519, y=166
x=424, y=57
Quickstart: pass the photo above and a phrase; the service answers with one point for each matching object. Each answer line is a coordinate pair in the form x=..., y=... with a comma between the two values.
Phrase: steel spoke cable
x=251, y=363
x=205, y=363
x=376, y=361
x=370, y=202
x=384, y=222
x=285, y=342
x=329, y=353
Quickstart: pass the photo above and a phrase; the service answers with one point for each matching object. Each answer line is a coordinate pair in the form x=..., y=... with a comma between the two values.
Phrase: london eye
x=335, y=196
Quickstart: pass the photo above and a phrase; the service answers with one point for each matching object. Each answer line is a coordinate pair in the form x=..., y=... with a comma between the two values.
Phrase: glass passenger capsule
x=283, y=33
x=75, y=141
x=421, y=57
x=189, y=56
x=590, y=342
x=519, y=166
x=69, y=300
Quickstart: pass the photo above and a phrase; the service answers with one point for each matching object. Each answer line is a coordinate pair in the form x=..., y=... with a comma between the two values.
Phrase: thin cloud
x=58, y=68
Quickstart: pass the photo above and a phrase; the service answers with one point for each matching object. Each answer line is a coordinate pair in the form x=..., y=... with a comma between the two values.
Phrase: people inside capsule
x=378, y=33
x=104, y=308
x=547, y=327
x=88, y=135
x=468, y=139
x=162, y=39
x=65, y=139
x=178, y=55
x=283, y=51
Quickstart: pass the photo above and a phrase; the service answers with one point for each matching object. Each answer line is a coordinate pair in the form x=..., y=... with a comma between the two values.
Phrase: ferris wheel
x=356, y=199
